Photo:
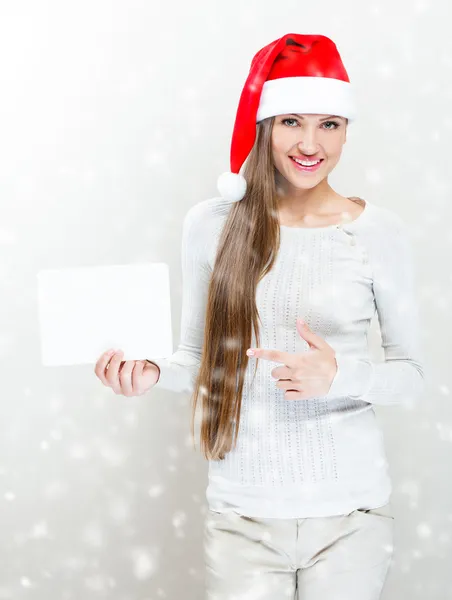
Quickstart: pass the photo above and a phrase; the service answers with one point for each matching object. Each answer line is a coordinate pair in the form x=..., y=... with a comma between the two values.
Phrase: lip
x=305, y=169
x=304, y=157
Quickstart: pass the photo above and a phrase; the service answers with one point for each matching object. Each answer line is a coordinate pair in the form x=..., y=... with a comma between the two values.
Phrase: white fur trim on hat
x=310, y=95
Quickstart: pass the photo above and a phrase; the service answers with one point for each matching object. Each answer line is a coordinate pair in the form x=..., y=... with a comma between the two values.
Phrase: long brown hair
x=246, y=252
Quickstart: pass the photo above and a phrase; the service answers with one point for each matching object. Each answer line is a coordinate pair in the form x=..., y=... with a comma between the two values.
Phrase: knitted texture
x=323, y=456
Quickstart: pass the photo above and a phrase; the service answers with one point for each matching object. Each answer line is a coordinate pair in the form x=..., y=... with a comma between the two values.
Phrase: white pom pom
x=232, y=186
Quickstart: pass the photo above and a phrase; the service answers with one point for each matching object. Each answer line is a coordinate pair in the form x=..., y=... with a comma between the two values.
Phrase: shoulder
x=388, y=241
x=206, y=217
x=202, y=225
x=212, y=209
x=385, y=230
x=386, y=219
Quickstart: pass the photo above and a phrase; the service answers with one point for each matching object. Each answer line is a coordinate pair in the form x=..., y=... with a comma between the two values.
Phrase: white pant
x=343, y=557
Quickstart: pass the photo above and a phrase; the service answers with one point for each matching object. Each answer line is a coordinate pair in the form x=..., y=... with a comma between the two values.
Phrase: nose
x=308, y=141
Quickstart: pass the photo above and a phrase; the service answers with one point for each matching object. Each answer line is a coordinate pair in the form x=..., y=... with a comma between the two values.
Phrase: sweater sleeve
x=400, y=377
x=178, y=371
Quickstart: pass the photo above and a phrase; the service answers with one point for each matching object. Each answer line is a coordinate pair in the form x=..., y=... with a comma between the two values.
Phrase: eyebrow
x=324, y=119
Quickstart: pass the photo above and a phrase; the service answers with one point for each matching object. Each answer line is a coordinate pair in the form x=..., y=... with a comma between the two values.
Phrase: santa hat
x=295, y=74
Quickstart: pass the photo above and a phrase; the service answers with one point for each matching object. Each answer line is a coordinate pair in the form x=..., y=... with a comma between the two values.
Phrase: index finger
x=101, y=365
x=275, y=355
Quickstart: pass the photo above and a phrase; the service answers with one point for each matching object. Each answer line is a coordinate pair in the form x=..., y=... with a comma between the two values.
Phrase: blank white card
x=85, y=311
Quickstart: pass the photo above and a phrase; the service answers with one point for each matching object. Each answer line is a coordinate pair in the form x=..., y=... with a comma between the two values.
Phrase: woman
x=298, y=488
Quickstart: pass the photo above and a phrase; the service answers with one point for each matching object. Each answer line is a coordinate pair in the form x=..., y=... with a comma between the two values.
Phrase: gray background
x=116, y=117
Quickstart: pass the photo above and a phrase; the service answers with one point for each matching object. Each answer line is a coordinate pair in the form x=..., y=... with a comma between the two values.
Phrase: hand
x=127, y=378
x=304, y=375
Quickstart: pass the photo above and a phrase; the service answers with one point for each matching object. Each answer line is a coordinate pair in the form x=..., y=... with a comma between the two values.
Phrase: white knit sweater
x=323, y=456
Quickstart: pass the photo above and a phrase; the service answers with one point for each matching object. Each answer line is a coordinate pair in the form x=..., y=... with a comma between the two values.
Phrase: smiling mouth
x=301, y=167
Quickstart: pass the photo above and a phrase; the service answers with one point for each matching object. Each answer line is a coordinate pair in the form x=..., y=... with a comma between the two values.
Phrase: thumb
x=312, y=338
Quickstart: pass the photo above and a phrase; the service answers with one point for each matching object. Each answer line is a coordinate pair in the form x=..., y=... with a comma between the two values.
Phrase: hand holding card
x=126, y=378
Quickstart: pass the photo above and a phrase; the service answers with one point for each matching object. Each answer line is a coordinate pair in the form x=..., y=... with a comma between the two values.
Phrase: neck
x=297, y=203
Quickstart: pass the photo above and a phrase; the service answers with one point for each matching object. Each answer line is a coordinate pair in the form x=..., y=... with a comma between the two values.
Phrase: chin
x=305, y=185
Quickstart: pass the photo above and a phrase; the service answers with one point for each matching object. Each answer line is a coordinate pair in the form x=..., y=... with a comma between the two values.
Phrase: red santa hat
x=295, y=74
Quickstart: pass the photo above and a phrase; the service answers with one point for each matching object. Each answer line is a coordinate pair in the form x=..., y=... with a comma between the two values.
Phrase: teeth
x=306, y=163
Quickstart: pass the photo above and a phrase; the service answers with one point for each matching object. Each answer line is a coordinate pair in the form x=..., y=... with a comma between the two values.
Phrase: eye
x=335, y=123
x=284, y=120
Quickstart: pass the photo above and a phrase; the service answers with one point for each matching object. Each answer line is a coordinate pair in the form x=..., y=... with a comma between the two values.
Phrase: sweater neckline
x=359, y=219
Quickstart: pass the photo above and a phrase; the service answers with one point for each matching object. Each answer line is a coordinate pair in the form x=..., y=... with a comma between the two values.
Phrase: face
x=308, y=137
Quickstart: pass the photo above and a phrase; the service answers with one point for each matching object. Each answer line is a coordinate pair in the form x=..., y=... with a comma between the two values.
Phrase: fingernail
x=250, y=353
